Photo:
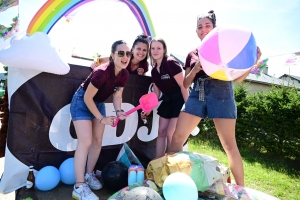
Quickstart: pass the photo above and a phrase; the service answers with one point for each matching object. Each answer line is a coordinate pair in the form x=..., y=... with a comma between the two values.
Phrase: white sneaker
x=83, y=192
x=92, y=181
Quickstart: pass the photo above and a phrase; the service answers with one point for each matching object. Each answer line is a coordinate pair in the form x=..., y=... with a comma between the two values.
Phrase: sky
x=274, y=23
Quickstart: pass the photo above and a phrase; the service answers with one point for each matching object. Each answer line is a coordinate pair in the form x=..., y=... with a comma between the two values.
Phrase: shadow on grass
x=275, y=162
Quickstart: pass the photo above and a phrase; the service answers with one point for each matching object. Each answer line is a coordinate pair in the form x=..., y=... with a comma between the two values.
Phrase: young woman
x=167, y=78
x=209, y=98
x=138, y=63
x=89, y=116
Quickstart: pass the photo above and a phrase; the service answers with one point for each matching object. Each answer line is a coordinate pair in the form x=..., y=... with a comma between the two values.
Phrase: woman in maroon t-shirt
x=167, y=78
x=89, y=116
x=138, y=63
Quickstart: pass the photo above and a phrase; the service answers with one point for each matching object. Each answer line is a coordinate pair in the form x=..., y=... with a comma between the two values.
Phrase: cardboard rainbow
x=40, y=90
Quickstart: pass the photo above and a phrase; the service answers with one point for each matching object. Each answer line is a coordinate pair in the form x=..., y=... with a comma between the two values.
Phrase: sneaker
x=92, y=181
x=83, y=192
x=98, y=174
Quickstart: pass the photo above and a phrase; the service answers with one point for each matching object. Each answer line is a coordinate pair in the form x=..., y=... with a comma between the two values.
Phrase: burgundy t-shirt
x=104, y=79
x=142, y=64
x=165, y=80
x=191, y=60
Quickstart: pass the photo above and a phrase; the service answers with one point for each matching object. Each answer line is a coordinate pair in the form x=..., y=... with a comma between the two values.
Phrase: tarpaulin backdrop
x=41, y=133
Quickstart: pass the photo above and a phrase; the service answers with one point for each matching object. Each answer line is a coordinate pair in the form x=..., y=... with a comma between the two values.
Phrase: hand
x=121, y=115
x=94, y=64
x=145, y=114
x=258, y=55
x=108, y=120
x=257, y=64
x=140, y=71
x=198, y=67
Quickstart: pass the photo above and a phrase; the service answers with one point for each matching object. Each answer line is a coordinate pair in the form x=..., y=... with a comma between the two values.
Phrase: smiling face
x=121, y=61
x=140, y=51
x=204, y=26
x=157, y=51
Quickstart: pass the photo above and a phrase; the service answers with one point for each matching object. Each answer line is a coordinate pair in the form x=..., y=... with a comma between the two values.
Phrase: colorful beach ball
x=227, y=53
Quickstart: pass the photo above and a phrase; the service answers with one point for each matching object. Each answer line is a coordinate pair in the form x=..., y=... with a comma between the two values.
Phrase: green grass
x=262, y=174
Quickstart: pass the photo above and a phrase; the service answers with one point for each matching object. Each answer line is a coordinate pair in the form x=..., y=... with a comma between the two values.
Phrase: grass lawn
x=261, y=174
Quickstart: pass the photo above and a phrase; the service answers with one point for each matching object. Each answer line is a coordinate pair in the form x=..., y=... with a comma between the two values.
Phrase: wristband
x=100, y=119
x=119, y=110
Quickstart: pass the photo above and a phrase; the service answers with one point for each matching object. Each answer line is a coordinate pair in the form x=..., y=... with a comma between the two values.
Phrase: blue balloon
x=178, y=186
x=67, y=172
x=47, y=178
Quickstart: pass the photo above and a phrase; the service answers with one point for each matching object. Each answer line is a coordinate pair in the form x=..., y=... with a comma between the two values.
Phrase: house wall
x=292, y=81
x=254, y=87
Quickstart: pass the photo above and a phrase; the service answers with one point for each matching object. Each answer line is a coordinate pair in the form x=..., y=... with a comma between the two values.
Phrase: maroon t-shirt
x=165, y=80
x=191, y=60
x=104, y=79
x=142, y=64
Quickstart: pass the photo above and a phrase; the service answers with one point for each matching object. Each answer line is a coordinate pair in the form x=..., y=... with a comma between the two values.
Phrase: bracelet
x=119, y=111
x=100, y=119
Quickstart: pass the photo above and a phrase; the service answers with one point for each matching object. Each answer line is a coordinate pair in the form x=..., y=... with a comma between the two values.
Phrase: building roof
x=292, y=76
x=266, y=79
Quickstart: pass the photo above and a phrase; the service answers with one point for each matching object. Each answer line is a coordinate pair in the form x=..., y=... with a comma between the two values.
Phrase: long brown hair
x=162, y=41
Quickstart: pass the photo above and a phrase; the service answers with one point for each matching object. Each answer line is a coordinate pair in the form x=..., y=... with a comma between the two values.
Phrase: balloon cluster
x=49, y=177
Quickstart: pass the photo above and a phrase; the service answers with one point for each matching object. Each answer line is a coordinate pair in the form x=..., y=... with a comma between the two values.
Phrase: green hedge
x=267, y=122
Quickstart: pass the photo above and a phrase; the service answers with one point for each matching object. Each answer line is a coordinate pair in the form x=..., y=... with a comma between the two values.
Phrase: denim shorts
x=79, y=110
x=218, y=101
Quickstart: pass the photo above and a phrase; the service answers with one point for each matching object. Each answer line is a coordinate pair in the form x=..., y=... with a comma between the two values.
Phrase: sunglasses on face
x=122, y=53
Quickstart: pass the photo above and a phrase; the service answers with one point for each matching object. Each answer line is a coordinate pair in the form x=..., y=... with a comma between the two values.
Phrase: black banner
x=35, y=105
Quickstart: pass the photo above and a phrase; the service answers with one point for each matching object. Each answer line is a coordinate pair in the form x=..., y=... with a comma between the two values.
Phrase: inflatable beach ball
x=227, y=53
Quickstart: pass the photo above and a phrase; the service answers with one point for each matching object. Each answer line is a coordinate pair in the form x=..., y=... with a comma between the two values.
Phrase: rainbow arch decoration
x=53, y=10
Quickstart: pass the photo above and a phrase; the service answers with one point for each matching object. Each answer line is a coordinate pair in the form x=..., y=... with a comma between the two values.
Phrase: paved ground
x=10, y=196
x=61, y=192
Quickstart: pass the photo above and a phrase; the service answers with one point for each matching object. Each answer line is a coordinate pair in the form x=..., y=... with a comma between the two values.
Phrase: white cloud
x=36, y=53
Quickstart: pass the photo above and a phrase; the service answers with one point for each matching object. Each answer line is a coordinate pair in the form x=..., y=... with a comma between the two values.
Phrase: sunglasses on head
x=122, y=53
x=145, y=38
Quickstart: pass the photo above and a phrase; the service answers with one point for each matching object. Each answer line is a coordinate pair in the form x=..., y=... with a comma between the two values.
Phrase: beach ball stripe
x=232, y=40
x=227, y=53
x=247, y=54
x=213, y=46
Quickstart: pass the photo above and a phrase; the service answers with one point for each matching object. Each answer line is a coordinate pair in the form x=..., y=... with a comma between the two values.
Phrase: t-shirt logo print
x=166, y=76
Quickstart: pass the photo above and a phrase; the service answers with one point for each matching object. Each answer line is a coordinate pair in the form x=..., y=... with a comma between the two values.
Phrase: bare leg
x=84, y=134
x=170, y=130
x=161, y=141
x=185, y=125
x=94, y=151
x=226, y=133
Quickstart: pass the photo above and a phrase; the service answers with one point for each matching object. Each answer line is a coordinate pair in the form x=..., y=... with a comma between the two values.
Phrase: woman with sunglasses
x=89, y=116
x=167, y=78
x=210, y=98
x=138, y=63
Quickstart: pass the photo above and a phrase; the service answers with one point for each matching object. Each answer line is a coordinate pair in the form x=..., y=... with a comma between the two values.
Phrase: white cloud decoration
x=34, y=52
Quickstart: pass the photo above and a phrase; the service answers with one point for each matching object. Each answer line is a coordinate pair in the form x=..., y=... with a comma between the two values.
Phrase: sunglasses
x=144, y=38
x=122, y=53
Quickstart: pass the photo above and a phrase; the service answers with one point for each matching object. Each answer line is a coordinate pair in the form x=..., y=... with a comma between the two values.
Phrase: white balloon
x=195, y=131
